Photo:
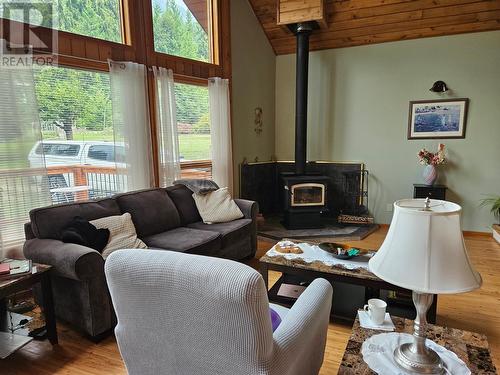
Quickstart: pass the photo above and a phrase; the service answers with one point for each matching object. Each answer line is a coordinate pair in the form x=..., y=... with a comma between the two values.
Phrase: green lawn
x=195, y=146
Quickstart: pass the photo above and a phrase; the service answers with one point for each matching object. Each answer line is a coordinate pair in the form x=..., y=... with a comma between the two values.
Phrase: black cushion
x=79, y=231
x=152, y=211
x=186, y=240
x=230, y=232
x=183, y=200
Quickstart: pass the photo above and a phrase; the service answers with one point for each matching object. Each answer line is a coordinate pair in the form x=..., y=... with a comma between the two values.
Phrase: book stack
x=12, y=268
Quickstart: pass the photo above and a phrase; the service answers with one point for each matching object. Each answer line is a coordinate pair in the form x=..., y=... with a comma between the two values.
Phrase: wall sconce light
x=439, y=86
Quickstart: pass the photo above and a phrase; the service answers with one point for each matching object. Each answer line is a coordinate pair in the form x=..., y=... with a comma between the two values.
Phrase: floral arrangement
x=432, y=158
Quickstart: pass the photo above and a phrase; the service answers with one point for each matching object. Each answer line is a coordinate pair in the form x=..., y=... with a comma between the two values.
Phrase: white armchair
x=188, y=314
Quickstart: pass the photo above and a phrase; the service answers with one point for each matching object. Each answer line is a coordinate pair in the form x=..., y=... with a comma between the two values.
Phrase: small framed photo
x=436, y=119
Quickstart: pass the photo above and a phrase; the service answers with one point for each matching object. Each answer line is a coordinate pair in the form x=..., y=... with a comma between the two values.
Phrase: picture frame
x=438, y=119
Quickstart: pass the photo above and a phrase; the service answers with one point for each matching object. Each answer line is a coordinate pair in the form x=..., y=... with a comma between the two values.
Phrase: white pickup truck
x=80, y=153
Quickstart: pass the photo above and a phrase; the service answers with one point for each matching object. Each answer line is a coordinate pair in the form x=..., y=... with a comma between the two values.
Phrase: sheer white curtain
x=220, y=130
x=129, y=97
x=23, y=181
x=166, y=120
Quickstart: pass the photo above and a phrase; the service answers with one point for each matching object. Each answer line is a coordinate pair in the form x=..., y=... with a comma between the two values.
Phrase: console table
x=429, y=191
x=470, y=347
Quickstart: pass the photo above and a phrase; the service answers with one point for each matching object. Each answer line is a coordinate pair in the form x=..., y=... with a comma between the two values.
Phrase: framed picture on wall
x=435, y=119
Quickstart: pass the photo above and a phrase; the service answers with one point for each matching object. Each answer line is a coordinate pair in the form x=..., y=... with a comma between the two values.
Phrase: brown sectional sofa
x=165, y=218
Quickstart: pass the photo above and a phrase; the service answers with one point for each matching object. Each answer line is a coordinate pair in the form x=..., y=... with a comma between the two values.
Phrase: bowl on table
x=339, y=251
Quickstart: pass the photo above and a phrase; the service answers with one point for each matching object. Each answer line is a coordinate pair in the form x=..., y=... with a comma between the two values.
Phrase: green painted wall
x=359, y=111
x=253, y=80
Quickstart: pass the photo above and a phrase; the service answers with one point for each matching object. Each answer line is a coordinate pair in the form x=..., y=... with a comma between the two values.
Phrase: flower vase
x=430, y=174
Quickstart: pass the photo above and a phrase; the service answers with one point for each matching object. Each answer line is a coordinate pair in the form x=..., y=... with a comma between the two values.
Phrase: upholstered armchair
x=187, y=314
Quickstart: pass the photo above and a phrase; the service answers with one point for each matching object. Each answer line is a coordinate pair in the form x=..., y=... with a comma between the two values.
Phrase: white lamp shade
x=424, y=250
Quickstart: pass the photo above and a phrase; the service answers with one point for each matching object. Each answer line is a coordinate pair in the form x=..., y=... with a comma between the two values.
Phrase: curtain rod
x=122, y=65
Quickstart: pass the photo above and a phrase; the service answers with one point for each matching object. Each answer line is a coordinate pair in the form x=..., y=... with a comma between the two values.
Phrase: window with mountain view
x=99, y=19
x=182, y=28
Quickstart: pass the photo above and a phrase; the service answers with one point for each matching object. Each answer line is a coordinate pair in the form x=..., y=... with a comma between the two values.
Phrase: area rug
x=272, y=229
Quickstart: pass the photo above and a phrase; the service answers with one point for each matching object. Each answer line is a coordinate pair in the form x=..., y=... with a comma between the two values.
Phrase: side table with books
x=9, y=285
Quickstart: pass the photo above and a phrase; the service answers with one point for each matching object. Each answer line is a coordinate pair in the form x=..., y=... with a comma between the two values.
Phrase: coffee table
x=470, y=347
x=40, y=274
x=308, y=271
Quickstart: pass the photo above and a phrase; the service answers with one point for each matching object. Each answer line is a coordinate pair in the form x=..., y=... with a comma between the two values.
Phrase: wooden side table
x=470, y=347
x=40, y=274
x=429, y=191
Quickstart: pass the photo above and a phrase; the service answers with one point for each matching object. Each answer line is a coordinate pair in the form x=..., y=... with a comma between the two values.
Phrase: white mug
x=376, y=310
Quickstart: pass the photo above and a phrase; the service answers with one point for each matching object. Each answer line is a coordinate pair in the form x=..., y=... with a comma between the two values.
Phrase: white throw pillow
x=217, y=206
x=122, y=234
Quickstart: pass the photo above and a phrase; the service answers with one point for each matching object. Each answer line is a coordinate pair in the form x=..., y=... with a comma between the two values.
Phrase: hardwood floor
x=477, y=311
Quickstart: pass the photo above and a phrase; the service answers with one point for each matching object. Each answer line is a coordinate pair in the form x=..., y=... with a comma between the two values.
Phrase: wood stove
x=304, y=200
x=305, y=194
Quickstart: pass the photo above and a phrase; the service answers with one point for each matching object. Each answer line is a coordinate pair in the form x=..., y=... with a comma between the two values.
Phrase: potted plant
x=493, y=203
x=431, y=160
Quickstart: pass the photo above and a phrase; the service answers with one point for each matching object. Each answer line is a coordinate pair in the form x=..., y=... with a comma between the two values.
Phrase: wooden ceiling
x=199, y=9
x=359, y=22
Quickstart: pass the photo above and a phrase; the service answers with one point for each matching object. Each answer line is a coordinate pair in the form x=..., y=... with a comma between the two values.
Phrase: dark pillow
x=79, y=231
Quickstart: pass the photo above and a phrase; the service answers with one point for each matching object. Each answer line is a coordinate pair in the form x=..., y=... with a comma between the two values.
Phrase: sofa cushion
x=217, y=206
x=230, y=232
x=47, y=222
x=186, y=240
x=122, y=233
x=152, y=211
x=182, y=197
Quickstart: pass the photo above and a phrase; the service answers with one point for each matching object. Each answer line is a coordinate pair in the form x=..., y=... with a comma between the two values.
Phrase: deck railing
x=81, y=182
x=22, y=189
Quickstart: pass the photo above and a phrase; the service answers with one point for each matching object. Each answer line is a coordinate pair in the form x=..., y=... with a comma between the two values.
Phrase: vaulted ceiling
x=358, y=22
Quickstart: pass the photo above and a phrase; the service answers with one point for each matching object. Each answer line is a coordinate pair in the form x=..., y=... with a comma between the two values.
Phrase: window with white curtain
x=193, y=121
x=193, y=127
x=77, y=133
x=23, y=185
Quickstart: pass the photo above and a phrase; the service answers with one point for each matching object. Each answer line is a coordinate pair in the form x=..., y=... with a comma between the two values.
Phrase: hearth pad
x=272, y=229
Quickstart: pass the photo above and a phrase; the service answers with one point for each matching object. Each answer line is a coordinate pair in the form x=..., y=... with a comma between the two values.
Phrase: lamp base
x=420, y=363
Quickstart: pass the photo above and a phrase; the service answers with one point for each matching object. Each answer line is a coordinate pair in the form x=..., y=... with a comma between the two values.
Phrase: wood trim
x=214, y=29
x=190, y=80
x=153, y=127
x=225, y=39
x=196, y=164
x=125, y=23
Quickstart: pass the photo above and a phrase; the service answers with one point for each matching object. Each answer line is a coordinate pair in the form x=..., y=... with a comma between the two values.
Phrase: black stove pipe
x=302, y=30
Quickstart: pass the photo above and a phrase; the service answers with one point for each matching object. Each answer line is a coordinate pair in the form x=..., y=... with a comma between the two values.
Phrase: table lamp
x=424, y=251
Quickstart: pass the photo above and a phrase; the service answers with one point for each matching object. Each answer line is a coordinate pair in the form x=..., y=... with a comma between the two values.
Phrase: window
x=57, y=149
x=97, y=18
x=193, y=122
x=77, y=133
x=182, y=28
x=107, y=153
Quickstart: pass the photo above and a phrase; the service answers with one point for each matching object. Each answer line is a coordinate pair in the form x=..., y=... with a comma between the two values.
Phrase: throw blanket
x=81, y=232
x=198, y=186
